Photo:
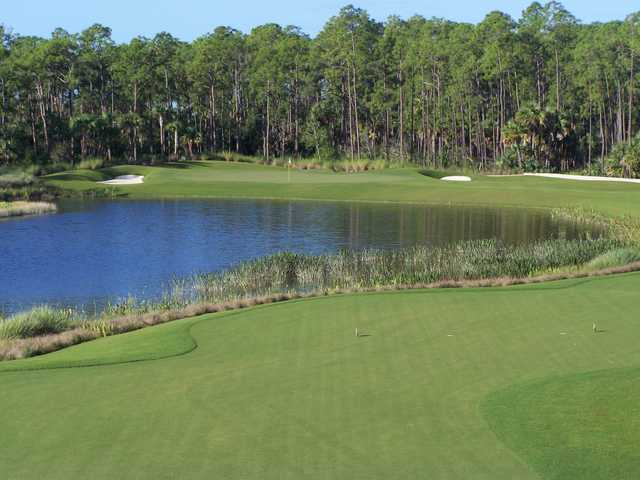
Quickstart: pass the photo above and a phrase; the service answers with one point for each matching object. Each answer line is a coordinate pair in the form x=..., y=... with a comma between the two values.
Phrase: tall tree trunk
x=268, y=140
x=214, y=127
x=175, y=141
x=631, y=79
x=355, y=110
x=401, y=113
x=161, y=123
x=557, y=80
x=351, y=142
x=355, y=93
x=135, y=126
x=43, y=114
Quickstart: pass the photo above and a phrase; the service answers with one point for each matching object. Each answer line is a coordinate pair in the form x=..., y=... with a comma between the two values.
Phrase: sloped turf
x=446, y=385
x=235, y=180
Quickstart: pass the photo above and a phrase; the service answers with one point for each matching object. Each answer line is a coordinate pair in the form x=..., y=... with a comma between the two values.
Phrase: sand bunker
x=456, y=178
x=125, y=180
x=583, y=178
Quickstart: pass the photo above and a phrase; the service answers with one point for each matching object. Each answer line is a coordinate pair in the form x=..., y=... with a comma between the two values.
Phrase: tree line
x=543, y=91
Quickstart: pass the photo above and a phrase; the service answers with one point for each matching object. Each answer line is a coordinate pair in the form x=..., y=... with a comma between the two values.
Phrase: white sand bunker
x=456, y=178
x=125, y=180
x=583, y=178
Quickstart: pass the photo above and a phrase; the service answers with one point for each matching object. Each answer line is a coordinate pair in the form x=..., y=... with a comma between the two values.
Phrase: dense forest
x=541, y=92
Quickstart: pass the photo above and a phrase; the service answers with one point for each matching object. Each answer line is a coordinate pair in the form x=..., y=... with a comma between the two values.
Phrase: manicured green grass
x=288, y=391
x=582, y=425
x=238, y=180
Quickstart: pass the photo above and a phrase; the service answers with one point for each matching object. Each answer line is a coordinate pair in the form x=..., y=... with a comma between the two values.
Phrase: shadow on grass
x=436, y=174
x=79, y=176
x=177, y=165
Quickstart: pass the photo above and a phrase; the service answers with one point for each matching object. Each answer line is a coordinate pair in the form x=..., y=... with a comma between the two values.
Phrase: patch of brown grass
x=30, y=347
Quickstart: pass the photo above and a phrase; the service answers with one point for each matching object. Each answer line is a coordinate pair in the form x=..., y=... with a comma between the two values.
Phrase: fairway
x=406, y=185
x=446, y=384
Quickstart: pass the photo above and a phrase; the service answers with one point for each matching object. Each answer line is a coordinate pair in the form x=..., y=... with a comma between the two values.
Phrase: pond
x=93, y=252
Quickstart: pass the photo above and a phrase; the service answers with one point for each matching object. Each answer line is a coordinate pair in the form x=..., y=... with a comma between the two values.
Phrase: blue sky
x=188, y=19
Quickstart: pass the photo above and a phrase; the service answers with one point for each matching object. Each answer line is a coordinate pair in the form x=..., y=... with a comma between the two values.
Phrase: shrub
x=16, y=209
x=90, y=164
x=38, y=321
x=614, y=258
x=16, y=179
x=624, y=159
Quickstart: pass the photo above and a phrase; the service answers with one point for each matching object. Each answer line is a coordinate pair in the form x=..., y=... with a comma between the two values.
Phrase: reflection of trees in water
x=390, y=226
x=358, y=226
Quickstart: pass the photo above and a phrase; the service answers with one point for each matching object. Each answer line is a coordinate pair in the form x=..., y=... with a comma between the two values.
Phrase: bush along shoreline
x=288, y=276
x=19, y=208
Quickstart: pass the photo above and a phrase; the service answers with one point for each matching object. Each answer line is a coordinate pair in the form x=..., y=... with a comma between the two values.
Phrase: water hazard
x=92, y=252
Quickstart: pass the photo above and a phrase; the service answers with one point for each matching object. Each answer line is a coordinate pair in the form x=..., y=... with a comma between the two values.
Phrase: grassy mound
x=288, y=391
x=580, y=426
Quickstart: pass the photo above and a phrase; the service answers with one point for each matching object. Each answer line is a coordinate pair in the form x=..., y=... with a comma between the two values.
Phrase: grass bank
x=288, y=391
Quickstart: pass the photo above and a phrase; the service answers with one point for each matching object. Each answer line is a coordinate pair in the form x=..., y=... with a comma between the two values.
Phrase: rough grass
x=287, y=391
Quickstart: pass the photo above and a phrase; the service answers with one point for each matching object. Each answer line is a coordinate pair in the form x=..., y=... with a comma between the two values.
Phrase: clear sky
x=187, y=19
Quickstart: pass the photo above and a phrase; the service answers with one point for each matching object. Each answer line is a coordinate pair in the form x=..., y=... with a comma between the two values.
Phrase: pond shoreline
x=17, y=349
x=101, y=245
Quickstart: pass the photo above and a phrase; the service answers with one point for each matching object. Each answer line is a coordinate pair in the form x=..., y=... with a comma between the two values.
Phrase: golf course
x=320, y=241
x=495, y=383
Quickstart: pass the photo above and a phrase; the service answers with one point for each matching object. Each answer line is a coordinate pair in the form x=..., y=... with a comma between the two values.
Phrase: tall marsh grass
x=614, y=258
x=353, y=270
x=36, y=322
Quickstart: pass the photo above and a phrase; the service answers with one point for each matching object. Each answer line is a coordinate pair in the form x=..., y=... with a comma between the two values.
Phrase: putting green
x=447, y=384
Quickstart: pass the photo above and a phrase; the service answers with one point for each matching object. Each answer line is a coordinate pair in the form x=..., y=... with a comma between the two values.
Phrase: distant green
x=406, y=185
